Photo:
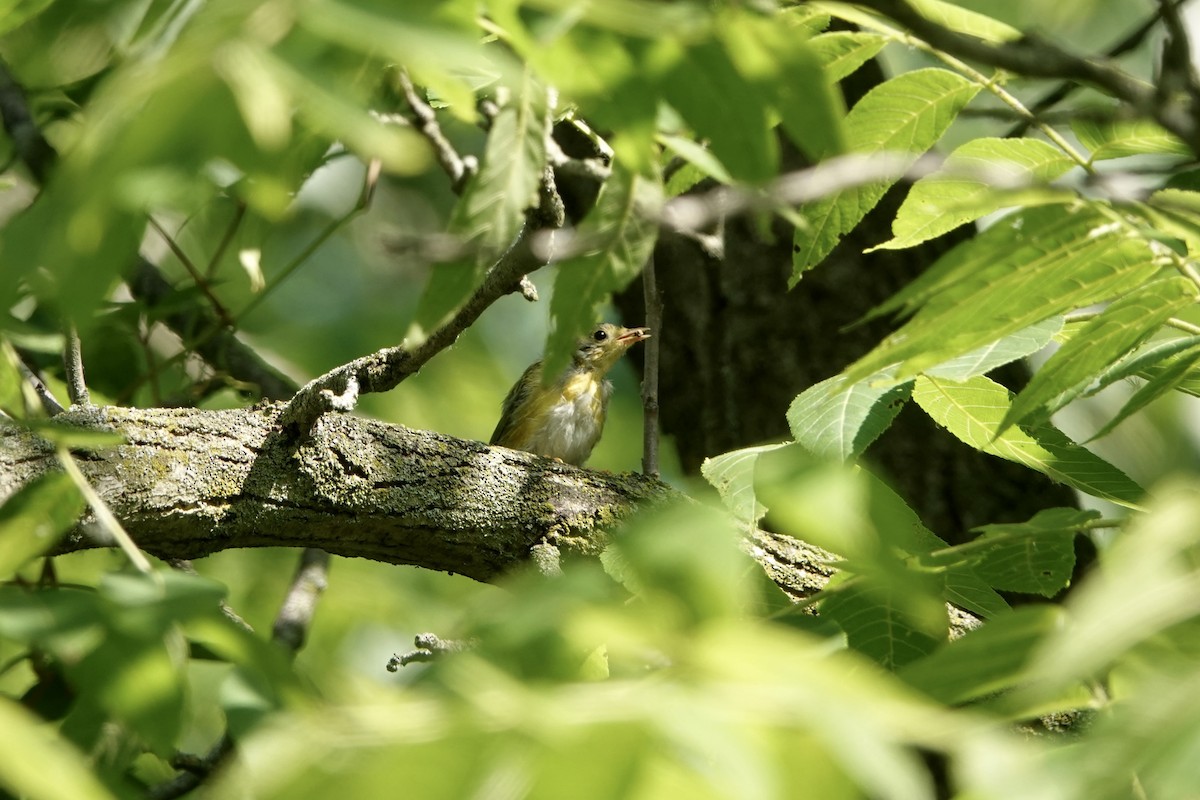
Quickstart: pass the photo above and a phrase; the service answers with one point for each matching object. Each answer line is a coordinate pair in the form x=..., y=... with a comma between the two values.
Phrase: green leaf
x=696, y=155
x=732, y=475
x=1146, y=362
x=706, y=89
x=841, y=53
x=34, y=518
x=1000, y=352
x=963, y=20
x=877, y=625
x=833, y=419
x=908, y=113
x=1034, y=557
x=494, y=201
x=1168, y=374
x=972, y=185
x=987, y=660
x=773, y=57
x=1115, y=138
x=36, y=617
x=1125, y=324
x=36, y=762
x=76, y=437
x=972, y=411
x=1032, y=265
x=624, y=230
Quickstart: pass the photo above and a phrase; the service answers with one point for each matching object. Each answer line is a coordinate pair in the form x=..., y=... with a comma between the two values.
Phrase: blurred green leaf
x=967, y=21
x=972, y=184
x=34, y=518
x=1126, y=323
x=619, y=234
x=36, y=617
x=1032, y=265
x=972, y=410
x=906, y=114
x=37, y=763
x=75, y=437
x=835, y=420
x=707, y=90
x=984, y=661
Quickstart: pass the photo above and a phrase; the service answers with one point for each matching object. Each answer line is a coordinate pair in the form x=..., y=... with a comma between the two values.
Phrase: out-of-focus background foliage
x=675, y=669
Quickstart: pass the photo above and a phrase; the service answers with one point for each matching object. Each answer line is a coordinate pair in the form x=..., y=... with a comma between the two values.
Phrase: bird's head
x=606, y=343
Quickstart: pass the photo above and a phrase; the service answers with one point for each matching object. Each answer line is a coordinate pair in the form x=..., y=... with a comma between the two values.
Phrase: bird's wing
x=517, y=397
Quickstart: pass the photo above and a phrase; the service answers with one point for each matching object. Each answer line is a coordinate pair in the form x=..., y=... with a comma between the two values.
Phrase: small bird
x=564, y=420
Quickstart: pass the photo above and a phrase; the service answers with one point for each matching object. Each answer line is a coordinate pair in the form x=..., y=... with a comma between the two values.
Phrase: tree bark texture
x=187, y=483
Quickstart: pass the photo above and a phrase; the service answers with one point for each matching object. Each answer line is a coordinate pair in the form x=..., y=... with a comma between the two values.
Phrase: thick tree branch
x=1035, y=58
x=189, y=483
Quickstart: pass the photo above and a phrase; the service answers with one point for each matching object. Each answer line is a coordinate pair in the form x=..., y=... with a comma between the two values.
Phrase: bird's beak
x=633, y=335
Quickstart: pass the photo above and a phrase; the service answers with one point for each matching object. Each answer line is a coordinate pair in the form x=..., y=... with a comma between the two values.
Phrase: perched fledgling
x=564, y=420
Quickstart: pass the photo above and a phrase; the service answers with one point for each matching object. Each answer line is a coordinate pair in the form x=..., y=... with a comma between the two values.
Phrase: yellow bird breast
x=569, y=419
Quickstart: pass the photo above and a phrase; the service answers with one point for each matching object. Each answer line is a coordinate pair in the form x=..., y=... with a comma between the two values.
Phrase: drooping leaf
x=1167, y=375
x=907, y=114
x=973, y=183
x=1034, y=557
x=1033, y=265
x=1113, y=333
x=773, y=57
x=623, y=228
x=833, y=419
x=1115, y=138
x=1000, y=352
x=972, y=411
x=1146, y=362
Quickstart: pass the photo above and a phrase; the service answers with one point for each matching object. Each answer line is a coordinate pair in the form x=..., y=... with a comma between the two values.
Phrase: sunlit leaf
x=843, y=52
x=834, y=419
x=1033, y=265
x=973, y=183
x=877, y=626
x=1115, y=138
x=964, y=20
x=1114, y=332
x=908, y=113
x=36, y=762
x=972, y=411
x=732, y=475
x=1167, y=375
x=1000, y=352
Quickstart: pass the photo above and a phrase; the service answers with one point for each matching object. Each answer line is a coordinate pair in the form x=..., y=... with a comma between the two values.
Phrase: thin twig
x=1067, y=88
x=200, y=281
x=77, y=391
x=239, y=213
x=47, y=400
x=653, y=303
x=1033, y=57
x=457, y=167
x=386, y=368
x=296, y=614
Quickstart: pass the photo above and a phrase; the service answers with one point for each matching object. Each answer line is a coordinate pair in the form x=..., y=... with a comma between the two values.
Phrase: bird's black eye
x=600, y=335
